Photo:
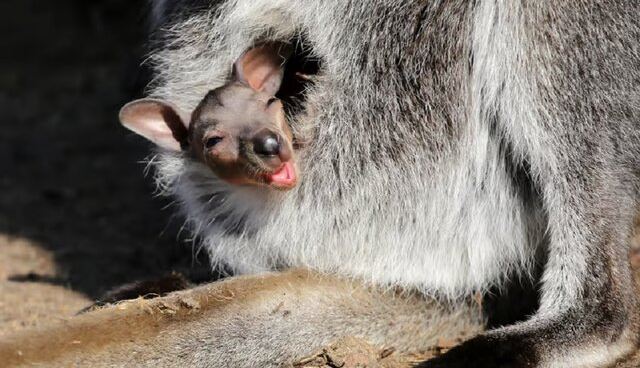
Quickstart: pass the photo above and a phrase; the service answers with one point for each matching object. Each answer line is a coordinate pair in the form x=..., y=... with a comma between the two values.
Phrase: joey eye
x=210, y=142
x=271, y=100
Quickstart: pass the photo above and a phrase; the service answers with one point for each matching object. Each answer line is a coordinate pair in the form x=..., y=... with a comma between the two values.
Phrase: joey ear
x=262, y=67
x=158, y=121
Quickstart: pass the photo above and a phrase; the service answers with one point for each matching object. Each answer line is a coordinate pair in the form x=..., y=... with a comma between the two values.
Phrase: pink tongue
x=286, y=176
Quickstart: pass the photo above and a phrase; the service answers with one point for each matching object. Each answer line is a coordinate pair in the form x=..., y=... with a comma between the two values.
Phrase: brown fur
x=161, y=332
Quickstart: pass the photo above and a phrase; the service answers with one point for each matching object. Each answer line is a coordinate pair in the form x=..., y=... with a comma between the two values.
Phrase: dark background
x=71, y=178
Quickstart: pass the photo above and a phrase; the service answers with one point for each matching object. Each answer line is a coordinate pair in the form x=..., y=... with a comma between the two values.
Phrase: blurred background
x=77, y=215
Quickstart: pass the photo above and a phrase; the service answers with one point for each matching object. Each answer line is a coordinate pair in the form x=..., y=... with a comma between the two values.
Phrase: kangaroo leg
x=247, y=321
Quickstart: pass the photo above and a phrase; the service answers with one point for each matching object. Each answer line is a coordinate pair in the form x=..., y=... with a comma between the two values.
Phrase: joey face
x=243, y=137
x=238, y=130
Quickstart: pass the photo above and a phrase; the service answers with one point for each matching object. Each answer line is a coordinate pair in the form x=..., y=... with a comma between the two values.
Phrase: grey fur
x=453, y=145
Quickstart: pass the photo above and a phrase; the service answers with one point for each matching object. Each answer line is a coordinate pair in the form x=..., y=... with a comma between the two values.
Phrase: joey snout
x=250, y=154
x=270, y=148
x=267, y=156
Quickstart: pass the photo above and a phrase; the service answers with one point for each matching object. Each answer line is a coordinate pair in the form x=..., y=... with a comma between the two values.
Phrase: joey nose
x=266, y=143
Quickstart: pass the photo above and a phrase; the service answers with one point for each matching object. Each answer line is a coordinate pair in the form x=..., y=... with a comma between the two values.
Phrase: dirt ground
x=77, y=216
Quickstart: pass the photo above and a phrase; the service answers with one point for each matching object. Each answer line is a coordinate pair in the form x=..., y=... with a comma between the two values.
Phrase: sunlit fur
x=452, y=145
x=402, y=193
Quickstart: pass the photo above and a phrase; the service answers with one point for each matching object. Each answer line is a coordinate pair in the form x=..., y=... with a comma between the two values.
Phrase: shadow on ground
x=71, y=179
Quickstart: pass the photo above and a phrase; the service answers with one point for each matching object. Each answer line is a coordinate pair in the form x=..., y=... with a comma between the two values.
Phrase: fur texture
x=468, y=216
x=239, y=322
x=453, y=145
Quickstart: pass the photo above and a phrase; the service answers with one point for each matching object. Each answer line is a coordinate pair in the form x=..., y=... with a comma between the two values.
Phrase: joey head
x=238, y=130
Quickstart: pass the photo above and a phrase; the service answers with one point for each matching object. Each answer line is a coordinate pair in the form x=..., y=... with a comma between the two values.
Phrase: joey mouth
x=286, y=177
x=255, y=166
x=283, y=175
